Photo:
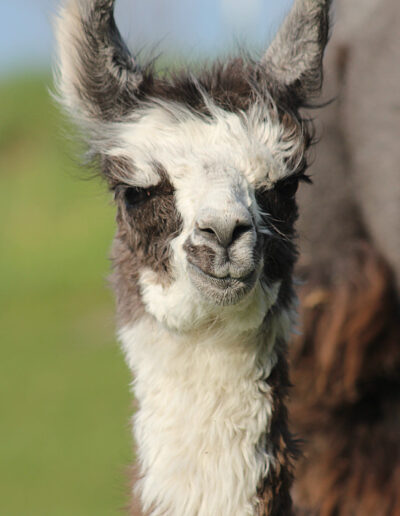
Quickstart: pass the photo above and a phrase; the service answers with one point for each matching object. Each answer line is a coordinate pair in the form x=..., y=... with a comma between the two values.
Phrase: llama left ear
x=98, y=79
x=294, y=59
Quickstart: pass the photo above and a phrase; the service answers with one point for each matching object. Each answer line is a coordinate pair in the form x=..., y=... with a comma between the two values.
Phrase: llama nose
x=224, y=229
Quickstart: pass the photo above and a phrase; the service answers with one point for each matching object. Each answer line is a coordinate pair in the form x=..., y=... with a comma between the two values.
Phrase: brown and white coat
x=204, y=169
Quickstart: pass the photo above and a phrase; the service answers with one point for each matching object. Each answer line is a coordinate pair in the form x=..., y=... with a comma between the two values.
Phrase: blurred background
x=65, y=442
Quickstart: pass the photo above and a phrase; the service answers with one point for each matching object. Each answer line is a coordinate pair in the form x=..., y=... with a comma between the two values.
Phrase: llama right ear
x=294, y=59
x=98, y=78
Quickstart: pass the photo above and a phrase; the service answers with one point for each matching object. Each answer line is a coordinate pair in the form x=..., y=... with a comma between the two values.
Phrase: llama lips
x=222, y=291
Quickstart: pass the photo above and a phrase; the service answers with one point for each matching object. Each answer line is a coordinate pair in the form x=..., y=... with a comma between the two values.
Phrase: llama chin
x=204, y=170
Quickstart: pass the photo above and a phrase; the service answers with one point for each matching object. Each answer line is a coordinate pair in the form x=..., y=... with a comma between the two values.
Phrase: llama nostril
x=223, y=231
x=240, y=230
x=207, y=230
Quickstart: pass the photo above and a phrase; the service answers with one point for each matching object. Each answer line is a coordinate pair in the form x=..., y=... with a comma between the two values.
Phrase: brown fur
x=346, y=365
x=274, y=493
x=202, y=256
x=228, y=84
x=142, y=241
x=346, y=404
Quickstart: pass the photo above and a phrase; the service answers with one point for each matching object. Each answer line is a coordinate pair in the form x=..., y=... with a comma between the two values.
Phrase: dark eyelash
x=300, y=176
x=135, y=197
x=289, y=186
x=284, y=189
x=305, y=178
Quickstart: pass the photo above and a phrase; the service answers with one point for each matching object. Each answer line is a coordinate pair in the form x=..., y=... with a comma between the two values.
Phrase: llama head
x=204, y=168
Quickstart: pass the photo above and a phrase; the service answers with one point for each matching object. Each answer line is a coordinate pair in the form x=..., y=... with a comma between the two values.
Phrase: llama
x=349, y=408
x=204, y=171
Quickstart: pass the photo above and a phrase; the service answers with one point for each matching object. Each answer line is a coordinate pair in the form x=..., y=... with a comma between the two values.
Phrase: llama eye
x=288, y=188
x=135, y=197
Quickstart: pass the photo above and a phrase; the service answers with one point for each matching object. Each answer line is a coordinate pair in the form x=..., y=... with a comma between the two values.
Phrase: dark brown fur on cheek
x=142, y=242
x=279, y=248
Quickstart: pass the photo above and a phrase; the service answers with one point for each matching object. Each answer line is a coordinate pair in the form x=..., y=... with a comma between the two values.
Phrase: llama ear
x=98, y=79
x=294, y=59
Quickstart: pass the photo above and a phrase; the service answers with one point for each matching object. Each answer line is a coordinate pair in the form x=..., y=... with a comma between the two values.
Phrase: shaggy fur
x=204, y=172
x=348, y=409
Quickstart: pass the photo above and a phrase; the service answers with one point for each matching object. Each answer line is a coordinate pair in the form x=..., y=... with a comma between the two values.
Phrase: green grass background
x=64, y=388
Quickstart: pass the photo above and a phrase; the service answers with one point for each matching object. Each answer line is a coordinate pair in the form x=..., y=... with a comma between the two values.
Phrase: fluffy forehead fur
x=258, y=143
x=251, y=103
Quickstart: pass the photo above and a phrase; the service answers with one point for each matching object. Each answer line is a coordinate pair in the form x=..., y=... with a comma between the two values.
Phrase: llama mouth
x=222, y=291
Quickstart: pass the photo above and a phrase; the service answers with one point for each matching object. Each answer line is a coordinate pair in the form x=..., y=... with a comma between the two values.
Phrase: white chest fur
x=203, y=419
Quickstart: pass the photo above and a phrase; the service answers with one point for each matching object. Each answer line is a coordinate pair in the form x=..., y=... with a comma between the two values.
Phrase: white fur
x=252, y=144
x=181, y=308
x=67, y=33
x=204, y=411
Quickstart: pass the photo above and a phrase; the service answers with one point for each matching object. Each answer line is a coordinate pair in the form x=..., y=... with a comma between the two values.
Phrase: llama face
x=211, y=200
x=204, y=168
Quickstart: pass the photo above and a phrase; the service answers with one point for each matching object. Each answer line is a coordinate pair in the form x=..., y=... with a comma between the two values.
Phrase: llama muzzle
x=222, y=262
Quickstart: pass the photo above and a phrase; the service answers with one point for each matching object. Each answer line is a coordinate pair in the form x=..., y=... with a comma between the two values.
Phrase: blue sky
x=190, y=27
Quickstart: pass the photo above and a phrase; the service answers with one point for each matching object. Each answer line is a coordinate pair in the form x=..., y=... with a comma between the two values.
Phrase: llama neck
x=205, y=410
